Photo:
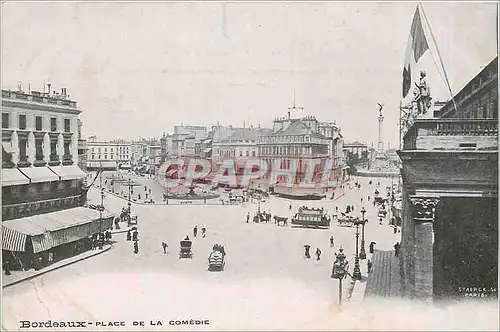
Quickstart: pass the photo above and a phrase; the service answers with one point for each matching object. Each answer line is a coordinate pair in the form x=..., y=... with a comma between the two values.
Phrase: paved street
x=266, y=274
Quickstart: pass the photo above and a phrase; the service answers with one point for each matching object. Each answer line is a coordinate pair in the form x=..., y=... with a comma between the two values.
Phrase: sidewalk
x=358, y=289
x=385, y=280
x=20, y=276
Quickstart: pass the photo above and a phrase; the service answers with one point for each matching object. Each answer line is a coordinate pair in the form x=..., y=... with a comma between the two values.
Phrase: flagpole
x=440, y=58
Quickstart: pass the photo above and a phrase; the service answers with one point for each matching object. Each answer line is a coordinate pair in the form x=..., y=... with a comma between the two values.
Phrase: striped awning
x=53, y=229
x=13, y=177
x=13, y=240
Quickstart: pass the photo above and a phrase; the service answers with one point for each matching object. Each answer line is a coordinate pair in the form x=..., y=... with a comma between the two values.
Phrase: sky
x=138, y=69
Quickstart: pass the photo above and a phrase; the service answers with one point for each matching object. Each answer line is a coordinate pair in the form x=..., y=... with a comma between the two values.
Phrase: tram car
x=311, y=218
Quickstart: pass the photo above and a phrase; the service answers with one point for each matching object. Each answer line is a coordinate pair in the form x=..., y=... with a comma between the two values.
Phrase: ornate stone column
x=423, y=214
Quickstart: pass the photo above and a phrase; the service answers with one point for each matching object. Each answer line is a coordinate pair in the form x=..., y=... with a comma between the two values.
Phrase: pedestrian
x=149, y=191
x=290, y=207
x=136, y=247
x=333, y=194
x=331, y=241
x=368, y=198
x=336, y=209
x=307, y=254
x=372, y=245
x=380, y=221
x=248, y=217
x=352, y=208
x=203, y=232
x=361, y=200
x=135, y=236
x=129, y=236
x=195, y=230
x=145, y=188
x=397, y=246
x=164, y=245
x=146, y=195
x=318, y=254
x=369, y=265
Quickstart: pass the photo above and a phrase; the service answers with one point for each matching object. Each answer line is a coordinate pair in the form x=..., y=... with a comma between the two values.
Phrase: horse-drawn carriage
x=379, y=200
x=216, y=259
x=185, y=251
x=283, y=220
x=346, y=220
x=311, y=217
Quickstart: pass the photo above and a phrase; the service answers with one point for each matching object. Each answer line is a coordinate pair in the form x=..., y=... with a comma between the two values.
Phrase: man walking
x=136, y=247
x=164, y=245
x=318, y=254
x=397, y=246
x=331, y=241
x=248, y=217
x=307, y=254
x=195, y=230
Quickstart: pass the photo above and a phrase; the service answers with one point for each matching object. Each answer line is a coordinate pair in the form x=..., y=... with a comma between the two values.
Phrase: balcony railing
x=451, y=134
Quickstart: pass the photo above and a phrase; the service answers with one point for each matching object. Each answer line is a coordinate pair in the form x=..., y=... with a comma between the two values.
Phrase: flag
x=417, y=46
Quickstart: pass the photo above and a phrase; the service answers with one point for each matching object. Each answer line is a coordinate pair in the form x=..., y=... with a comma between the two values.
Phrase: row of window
x=22, y=122
x=232, y=153
x=285, y=139
x=292, y=150
x=39, y=155
x=110, y=149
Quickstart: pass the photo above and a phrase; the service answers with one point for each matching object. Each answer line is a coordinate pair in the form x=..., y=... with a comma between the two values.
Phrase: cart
x=185, y=251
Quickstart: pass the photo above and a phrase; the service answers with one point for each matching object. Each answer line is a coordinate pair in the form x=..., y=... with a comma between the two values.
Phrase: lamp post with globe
x=362, y=253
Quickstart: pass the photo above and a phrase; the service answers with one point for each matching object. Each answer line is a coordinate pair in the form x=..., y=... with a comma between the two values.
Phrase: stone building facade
x=450, y=195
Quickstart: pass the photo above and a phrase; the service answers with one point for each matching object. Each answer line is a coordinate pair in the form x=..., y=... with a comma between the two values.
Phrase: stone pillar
x=46, y=148
x=423, y=213
x=30, y=150
x=380, y=147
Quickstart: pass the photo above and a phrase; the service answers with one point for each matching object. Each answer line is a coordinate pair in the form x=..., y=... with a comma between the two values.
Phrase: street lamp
x=362, y=253
x=357, y=272
x=339, y=270
x=129, y=202
x=259, y=197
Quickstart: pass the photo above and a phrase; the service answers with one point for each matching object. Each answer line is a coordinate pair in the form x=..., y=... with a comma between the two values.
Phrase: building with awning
x=13, y=177
x=49, y=230
x=106, y=165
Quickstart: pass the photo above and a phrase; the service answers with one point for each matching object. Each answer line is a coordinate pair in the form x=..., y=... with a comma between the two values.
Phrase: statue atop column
x=422, y=94
x=381, y=105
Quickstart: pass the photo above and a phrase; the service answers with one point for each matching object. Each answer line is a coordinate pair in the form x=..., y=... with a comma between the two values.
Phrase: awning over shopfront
x=13, y=240
x=105, y=164
x=53, y=229
x=39, y=174
x=13, y=177
x=68, y=172
x=207, y=150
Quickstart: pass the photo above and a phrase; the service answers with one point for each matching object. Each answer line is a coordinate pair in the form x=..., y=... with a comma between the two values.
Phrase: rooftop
x=36, y=97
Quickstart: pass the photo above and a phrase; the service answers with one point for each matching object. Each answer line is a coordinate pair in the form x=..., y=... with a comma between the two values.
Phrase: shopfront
x=38, y=241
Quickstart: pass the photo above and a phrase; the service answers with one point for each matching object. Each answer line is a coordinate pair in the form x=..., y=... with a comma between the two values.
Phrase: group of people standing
x=135, y=238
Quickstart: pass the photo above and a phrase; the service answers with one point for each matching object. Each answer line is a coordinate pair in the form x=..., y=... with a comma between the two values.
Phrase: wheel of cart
x=185, y=251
